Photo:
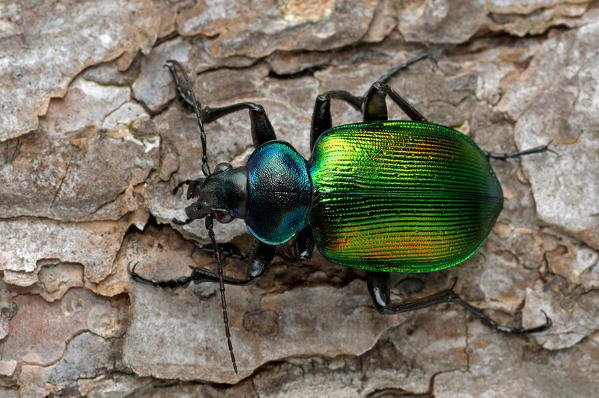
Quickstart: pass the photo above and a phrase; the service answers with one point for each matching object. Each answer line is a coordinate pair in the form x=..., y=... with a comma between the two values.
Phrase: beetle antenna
x=190, y=97
x=209, y=227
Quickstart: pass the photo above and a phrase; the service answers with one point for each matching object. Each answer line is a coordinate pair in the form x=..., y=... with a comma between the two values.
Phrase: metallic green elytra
x=401, y=196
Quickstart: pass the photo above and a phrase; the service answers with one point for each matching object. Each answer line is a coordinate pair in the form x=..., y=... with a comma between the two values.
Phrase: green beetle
x=383, y=196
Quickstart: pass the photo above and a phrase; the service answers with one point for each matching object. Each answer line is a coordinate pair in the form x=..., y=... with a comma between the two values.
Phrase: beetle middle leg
x=321, y=116
x=372, y=104
x=300, y=251
x=375, y=108
x=304, y=246
x=378, y=287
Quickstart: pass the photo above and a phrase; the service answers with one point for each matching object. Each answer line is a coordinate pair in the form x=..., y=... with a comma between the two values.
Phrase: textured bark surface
x=93, y=140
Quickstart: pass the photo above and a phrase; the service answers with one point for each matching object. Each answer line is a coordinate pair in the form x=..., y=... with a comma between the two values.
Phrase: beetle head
x=224, y=193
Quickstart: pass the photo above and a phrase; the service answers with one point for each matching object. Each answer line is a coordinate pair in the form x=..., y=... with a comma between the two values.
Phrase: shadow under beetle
x=383, y=196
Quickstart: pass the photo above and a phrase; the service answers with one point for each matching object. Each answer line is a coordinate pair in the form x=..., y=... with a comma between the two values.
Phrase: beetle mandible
x=383, y=196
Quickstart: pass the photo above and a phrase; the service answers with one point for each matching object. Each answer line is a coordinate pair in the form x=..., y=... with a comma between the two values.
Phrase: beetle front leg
x=262, y=130
x=260, y=256
x=225, y=249
x=378, y=287
x=260, y=125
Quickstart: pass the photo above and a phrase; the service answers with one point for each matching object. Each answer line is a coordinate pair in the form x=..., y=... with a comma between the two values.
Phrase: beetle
x=383, y=196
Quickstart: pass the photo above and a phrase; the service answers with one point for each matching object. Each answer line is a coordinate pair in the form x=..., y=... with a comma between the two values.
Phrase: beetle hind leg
x=516, y=154
x=378, y=287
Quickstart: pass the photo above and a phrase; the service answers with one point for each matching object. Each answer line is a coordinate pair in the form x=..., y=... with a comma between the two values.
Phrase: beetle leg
x=375, y=108
x=515, y=154
x=304, y=245
x=387, y=76
x=183, y=91
x=378, y=287
x=302, y=248
x=372, y=104
x=260, y=256
x=321, y=117
x=225, y=249
x=262, y=130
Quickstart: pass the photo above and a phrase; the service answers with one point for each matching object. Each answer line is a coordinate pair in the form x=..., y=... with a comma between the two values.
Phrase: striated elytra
x=401, y=196
x=383, y=196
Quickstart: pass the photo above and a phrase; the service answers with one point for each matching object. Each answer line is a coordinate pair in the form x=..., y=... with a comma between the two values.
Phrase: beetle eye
x=223, y=217
x=222, y=167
